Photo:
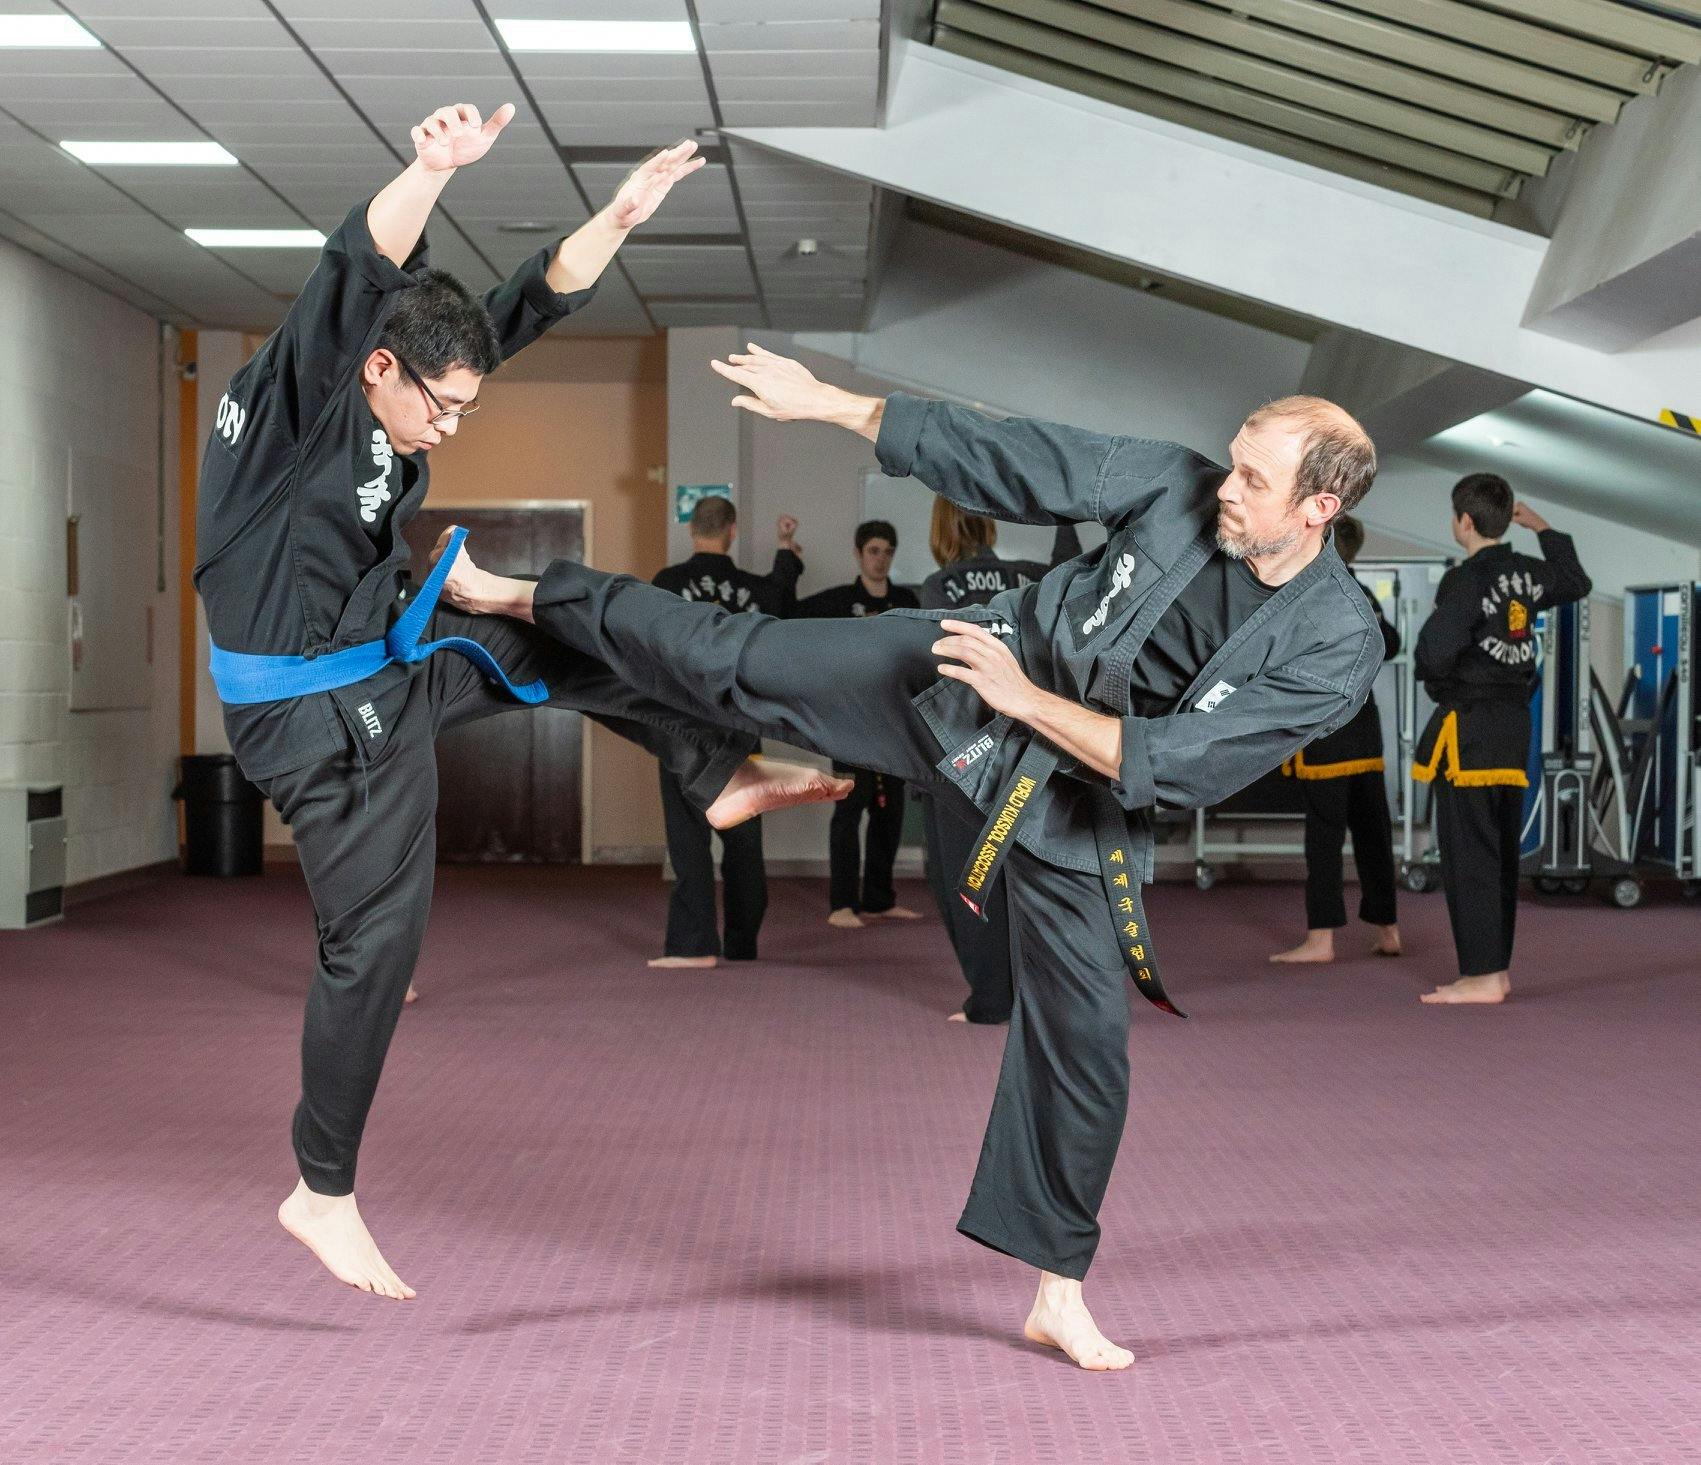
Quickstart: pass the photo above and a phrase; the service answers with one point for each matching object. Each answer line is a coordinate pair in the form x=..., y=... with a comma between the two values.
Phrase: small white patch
x=376, y=489
x=231, y=419
x=1121, y=578
x=1209, y=702
x=374, y=728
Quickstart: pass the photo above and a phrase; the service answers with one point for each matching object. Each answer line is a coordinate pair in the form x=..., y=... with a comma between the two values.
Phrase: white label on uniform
x=1121, y=578
x=231, y=419
x=370, y=717
x=1208, y=703
x=376, y=489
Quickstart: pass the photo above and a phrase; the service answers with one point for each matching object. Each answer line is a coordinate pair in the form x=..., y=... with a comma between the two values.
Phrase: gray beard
x=1255, y=549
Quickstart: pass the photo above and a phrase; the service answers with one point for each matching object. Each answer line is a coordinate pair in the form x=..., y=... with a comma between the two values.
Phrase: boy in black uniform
x=332, y=702
x=711, y=577
x=859, y=881
x=970, y=573
x=1214, y=633
x=1476, y=655
x=1342, y=788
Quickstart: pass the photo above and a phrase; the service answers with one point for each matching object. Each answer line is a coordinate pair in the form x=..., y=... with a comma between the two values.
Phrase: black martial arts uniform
x=1078, y=845
x=982, y=946
x=691, y=929
x=860, y=879
x=1476, y=655
x=301, y=554
x=1342, y=788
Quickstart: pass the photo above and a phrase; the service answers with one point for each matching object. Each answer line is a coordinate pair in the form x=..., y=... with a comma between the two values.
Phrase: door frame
x=587, y=513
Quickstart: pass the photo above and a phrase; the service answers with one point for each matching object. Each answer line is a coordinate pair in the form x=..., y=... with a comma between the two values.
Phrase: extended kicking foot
x=330, y=1227
x=958, y=1017
x=1387, y=941
x=413, y=994
x=896, y=913
x=845, y=919
x=1495, y=987
x=1318, y=946
x=1060, y=1320
x=702, y=963
x=764, y=784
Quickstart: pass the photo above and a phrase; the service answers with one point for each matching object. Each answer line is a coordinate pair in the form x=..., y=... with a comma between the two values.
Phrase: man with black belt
x=1215, y=633
x=859, y=880
x=1476, y=655
x=333, y=702
x=711, y=578
x=1342, y=788
x=971, y=572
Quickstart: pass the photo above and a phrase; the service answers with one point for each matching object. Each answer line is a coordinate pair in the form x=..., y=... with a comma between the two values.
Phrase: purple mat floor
x=666, y=1217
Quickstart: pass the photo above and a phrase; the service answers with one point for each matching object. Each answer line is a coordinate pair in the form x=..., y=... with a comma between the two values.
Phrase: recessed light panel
x=257, y=238
x=151, y=154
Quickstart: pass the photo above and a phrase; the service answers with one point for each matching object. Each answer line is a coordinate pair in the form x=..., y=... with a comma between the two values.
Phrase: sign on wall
x=686, y=497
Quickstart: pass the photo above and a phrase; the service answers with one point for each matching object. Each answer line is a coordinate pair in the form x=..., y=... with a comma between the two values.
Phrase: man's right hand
x=785, y=533
x=452, y=137
x=784, y=390
x=1528, y=518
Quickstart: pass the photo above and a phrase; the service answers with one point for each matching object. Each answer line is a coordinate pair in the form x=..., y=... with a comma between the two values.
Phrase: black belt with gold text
x=1016, y=801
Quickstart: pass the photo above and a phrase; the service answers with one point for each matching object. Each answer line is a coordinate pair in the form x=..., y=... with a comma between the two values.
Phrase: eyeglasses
x=444, y=414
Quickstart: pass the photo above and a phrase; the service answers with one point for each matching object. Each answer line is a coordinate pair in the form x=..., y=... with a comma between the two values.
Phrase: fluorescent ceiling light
x=597, y=35
x=257, y=238
x=43, y=32
x=151, y=154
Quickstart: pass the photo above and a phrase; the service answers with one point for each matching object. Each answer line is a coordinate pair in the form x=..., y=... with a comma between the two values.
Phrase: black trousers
x=691, y=929
x=366, y=838
x=1479, y=831
x=982, y=947
x=843, y=689
x=1358, y=802
x=861, y=879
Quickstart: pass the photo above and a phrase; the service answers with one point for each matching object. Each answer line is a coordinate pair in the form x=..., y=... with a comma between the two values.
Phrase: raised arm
x=1018, y=469
x=1567, y=579
x=450, y=138
x=584, y=254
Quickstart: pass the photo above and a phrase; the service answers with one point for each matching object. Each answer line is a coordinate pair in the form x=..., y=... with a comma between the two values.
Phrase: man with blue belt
x=1213, y=635
x=332, y=705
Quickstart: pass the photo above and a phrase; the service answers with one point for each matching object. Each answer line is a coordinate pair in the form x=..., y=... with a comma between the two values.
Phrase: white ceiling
x=1621, y=468
x=316, y=97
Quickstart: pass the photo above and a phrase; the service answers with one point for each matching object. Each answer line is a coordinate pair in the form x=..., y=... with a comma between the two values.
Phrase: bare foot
x=330, y=1227
x=845, y=919
x=896, y=913
x=958, y=1017
x=1318, y=946
x=1495, y=987
x=1060, y=1320
x=762, y=785
x=1387, y=942
x=413, y=994
x=702, y=962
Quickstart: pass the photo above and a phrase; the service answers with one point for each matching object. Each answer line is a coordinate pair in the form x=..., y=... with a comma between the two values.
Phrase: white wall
x=81, y=368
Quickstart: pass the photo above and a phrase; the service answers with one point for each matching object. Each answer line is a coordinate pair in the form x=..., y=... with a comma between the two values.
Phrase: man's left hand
x=986, y=664
x=648, y=184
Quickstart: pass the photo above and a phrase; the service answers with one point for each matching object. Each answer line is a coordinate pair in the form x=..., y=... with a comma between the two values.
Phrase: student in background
x=1342, y=786
x=692, y=939
x=860, y=880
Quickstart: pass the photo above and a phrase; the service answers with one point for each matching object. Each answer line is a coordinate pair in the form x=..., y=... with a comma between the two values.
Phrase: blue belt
x=242, y=678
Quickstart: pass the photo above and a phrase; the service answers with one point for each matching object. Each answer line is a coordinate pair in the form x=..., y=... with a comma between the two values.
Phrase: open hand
x=775, y=386
x=648, y=184
x=452, y=137
x=987, y=665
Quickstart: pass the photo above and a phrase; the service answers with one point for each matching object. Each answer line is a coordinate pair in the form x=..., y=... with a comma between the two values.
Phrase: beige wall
x=581, y=419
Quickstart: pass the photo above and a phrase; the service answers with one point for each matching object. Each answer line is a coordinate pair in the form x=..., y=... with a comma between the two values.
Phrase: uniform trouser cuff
x=978, y=1228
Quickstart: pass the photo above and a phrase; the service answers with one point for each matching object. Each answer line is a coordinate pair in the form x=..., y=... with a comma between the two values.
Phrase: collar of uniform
x=704, y=560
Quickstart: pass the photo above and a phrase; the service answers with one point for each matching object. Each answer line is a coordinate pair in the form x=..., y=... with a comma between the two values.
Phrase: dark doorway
x=509, y=788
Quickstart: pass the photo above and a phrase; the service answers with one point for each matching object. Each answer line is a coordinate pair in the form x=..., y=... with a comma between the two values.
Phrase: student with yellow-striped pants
x=1476, y=656
x=1341, y=784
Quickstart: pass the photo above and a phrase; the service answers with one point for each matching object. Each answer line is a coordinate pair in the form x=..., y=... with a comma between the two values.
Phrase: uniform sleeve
x=933, y=596
x=1447, y=632
x=779, y=585
x=1021, y=470
x=523, y=306
x=333, y=316
x=1196, y=759
x=1565, y=577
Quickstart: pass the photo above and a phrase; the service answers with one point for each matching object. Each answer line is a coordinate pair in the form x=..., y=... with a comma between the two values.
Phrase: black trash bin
x=225, y=833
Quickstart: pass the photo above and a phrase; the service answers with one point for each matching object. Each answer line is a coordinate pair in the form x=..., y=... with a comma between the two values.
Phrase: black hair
x=1349, y=537
x=1487, y=498
x=875, y=529
x=437, y=325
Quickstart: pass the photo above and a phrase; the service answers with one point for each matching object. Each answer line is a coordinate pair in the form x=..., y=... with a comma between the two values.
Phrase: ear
x=380, y=364
x=1322, y=508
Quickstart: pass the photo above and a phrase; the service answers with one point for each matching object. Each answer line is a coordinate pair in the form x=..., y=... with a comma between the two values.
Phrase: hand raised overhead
x=648, y=184
x=452, y=137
